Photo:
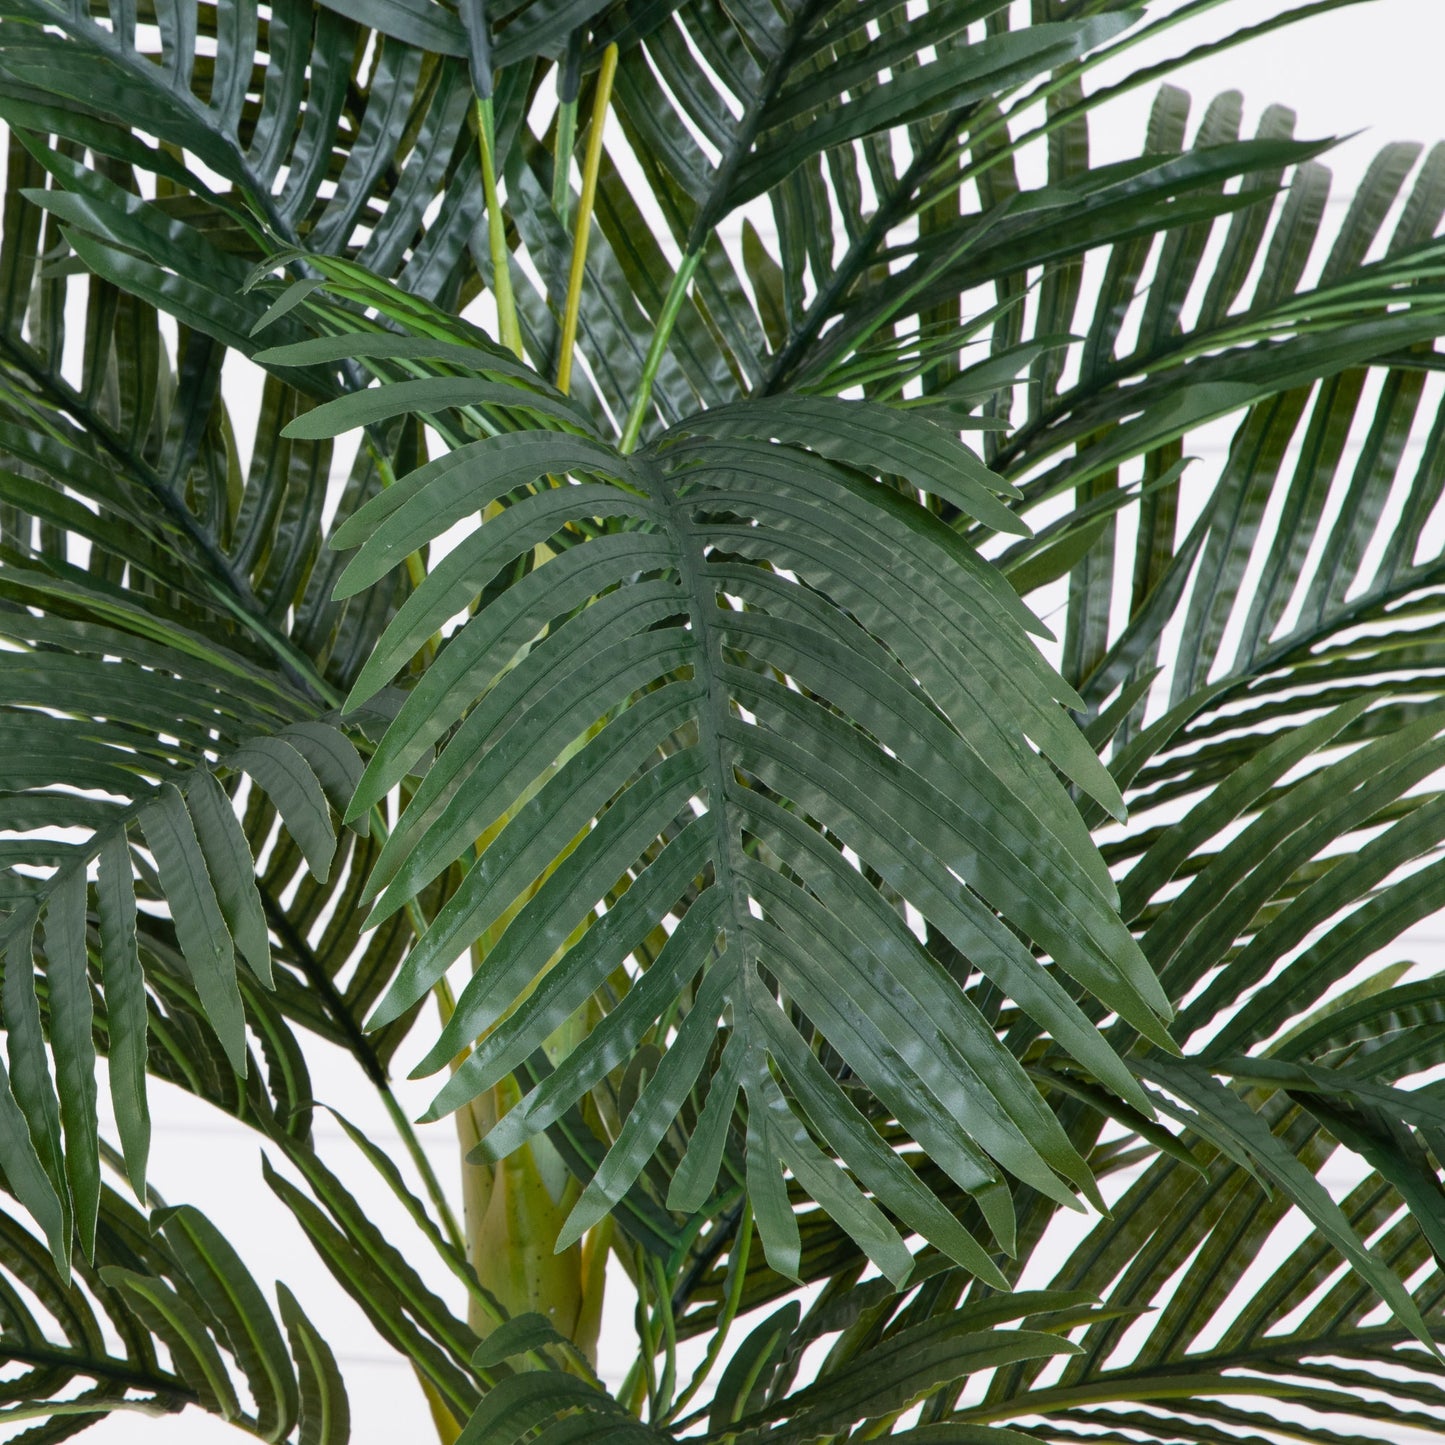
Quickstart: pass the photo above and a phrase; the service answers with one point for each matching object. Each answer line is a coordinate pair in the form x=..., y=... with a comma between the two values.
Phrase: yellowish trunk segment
x=512, y=1213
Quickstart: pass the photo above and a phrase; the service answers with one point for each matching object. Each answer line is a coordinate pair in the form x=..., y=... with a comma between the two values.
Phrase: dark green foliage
x=724, y=744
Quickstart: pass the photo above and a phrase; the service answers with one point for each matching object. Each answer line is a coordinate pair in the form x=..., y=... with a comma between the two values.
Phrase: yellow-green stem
x=423, y=1166
x=509, y=330
x=641, y=1381
x=593, y=164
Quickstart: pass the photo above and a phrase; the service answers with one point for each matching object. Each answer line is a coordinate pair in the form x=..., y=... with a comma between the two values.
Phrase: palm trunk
x=512, y=1213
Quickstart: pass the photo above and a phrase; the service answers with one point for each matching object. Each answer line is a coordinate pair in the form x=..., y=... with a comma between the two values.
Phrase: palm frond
x=169, y=1280
x=105, y=748
x=644, y=709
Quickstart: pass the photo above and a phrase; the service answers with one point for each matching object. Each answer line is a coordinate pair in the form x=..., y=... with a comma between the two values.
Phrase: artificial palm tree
x=621, y=639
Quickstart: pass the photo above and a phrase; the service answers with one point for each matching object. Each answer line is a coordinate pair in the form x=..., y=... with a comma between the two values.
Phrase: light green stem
x=562, y=159
x=641, y=1381
x=415, y=564
x=737, y=1278
x=510, y=330
x=404, y=1127
x=423, y=1165
x=677, y=292
x=663, y=1405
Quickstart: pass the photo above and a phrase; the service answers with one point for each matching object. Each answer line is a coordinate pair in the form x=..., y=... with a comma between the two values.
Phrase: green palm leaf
x=177, y=809
x=751, y=820
x=172, y=1280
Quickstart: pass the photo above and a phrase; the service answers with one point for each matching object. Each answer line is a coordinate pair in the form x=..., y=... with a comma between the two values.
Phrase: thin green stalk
x=737, y=1278
x=432, y=1184
x=511, y=331
x=423, y=1165
x=415, y=567
x=562, y=158
x=446, y=1001
x=54, y=1409
x=662, y=1405
x=641, y=1374
x=630, y=1391
x=593, y=165
x=660, y=337
x=569, y=80
x=880, y=1427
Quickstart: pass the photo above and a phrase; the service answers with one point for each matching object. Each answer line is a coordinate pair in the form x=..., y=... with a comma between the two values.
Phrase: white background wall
x=1376, y=69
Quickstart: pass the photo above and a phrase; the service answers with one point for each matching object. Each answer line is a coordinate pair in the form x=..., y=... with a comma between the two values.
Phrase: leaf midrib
x=80, y=1363
x=1174, y=1376
x=1143, y=363
x=711, y=210
x=713, y=708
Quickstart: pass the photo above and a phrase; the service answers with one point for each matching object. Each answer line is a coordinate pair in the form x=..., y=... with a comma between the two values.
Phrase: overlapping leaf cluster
x=732, y=561
x=720, y=739
x=168, y=1316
